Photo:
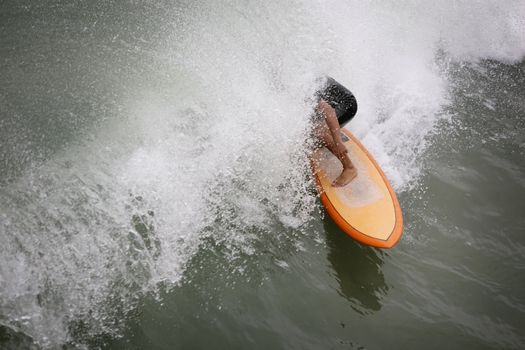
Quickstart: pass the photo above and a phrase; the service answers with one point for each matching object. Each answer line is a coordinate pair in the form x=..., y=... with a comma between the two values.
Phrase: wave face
x=133, y=132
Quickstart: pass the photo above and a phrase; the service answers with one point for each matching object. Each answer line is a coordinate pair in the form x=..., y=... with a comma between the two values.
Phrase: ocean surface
x=155, y=190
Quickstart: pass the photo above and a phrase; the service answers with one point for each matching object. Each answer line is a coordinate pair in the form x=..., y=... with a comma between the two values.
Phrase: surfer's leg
x=323, y=134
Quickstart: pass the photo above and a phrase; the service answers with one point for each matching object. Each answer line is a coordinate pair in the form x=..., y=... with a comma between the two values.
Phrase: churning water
x=155, y=190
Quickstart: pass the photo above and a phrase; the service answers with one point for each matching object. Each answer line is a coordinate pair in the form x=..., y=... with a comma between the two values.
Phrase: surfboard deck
x=367, y=208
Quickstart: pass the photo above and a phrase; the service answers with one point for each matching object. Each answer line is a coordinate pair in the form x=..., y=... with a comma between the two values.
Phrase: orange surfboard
x=367, y=208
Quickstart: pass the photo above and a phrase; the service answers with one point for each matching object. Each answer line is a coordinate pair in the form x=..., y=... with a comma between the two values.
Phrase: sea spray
x=191, y=126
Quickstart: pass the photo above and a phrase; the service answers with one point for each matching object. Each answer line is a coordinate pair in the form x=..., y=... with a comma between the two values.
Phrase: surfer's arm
x=333, y=125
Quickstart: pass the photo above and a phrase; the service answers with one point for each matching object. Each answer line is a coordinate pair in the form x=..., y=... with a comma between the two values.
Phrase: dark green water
x=154, y=193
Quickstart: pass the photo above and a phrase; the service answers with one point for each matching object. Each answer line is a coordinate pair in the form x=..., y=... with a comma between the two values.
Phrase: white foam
x=214, y=147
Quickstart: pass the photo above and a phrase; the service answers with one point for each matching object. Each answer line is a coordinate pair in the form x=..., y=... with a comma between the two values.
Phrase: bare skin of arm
x=330, y=136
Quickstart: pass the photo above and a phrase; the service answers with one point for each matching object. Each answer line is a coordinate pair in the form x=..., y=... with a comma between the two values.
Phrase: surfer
x=336, y=106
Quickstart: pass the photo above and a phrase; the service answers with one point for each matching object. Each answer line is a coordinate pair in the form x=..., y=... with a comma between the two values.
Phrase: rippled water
x=155, y=192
